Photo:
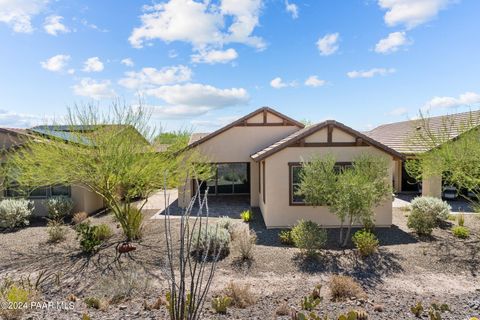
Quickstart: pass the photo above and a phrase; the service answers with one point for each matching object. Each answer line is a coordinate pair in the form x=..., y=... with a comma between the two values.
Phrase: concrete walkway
x=458, y=206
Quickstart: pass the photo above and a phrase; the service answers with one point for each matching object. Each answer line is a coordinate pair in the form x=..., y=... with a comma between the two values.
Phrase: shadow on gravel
x=368, y=271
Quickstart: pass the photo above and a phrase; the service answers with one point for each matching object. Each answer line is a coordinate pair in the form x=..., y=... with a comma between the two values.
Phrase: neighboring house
x=402, y=137
x=84, y=199
x=260, y=155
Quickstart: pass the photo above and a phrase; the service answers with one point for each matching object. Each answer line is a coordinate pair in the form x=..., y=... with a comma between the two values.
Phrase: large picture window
x=295, y=180
x=229, y=178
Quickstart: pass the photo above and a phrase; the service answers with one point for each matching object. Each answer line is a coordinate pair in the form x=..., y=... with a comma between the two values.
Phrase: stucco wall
x=277, y=211
x=86, y=200
x=237, y=145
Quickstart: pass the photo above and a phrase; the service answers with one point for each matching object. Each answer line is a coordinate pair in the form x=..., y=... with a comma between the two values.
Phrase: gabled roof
x=401, y=135
x=242, y=120
x=301, y=134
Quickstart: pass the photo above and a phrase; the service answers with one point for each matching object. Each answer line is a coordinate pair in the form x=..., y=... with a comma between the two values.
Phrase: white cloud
x=127, y=62
x=215, y=56
x=291, y=8
x=465, y=99
x=178, y=112
x=370, y=73
x=93, y=64
x=214, y=123
x=149, y=77
x=278, y=83
x=94, y=89
x=392, y=42
x=56, y=63
x=18, y=120
x=200, y=23
x=18, y=14
x=397, y=112
x=200, y=95
x=53, y=25
x=328, y=44
x=411, y=13
x=313, y=81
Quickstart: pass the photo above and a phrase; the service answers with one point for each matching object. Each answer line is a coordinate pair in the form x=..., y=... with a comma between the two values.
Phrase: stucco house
x=11, y=139
x=401, y=137
x=260, y=154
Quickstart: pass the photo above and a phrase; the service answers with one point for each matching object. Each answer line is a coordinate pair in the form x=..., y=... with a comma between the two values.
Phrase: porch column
x=185, y=194
x=432, y=187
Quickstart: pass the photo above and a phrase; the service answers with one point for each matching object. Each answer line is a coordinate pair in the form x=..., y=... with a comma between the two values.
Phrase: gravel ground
x=406, y=270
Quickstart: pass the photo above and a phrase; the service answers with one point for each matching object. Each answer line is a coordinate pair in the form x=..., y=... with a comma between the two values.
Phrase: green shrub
x=93, y=302
x=88, y=238
x=461, y=220
x=56, y=231
x=103, y=232
x=426, y=213
x=431, y=206
x=309, y=237
x=226, y=223
x=15, y=213
x=211, y=240
x=285, y=237
x=365, y=242
x=59, y=207
x=133, y=224
x=220, y=304
x=460, y=232
x=452, y=217
x=246, y=216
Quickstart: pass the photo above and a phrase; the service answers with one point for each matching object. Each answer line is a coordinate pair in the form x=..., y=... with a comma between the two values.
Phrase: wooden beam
x=359, y=141
x=265, y=116
x=330, y=133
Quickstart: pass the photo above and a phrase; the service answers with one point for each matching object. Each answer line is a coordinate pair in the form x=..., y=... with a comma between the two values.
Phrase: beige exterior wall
x=277, y=211
x=237, y=145
x=432, y=187
x=86, y=200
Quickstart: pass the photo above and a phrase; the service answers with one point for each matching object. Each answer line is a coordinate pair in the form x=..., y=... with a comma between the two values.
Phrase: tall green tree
x=452, y=151
x=351, y=193
x=107, y=151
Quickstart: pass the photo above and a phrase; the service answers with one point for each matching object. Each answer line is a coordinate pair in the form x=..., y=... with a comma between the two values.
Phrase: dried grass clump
x=241, y=295
x=345, y=287
x=244, y=241
x=79, y=217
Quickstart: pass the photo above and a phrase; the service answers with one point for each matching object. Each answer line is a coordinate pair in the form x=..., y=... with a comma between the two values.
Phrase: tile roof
x=197, y=136
x=401, y=136
x=307, y=131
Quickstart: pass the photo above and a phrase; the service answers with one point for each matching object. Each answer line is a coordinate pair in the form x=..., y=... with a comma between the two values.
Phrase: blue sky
x=202, y=64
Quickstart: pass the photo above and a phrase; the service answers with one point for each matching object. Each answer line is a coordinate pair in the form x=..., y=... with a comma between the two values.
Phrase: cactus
x=220, y=304
x=417, y=309
x=310, y=316
x=434, y=314
x=352, y=315
x=316, y=292
x=362, y=315
x=309, y=303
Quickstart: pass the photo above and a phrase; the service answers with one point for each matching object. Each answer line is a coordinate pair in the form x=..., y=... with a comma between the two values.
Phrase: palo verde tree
x=107, y=151
x=351, y=193
x=451, y=150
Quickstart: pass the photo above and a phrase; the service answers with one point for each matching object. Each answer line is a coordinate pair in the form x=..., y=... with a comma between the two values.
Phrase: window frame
x=48, y=193
x=292, y=165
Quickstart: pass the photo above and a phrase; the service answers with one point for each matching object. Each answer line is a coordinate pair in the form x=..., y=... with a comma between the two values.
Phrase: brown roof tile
x=401, y=136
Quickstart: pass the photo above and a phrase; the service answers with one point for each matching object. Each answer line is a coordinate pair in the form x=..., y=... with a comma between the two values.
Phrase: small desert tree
x=452, y=150
x=107, y=151
x=350, y=193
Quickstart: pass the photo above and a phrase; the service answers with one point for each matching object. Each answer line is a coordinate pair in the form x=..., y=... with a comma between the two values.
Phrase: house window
x=295, y=180
x=38, y=193
x=295, y=171
x=229, y=178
